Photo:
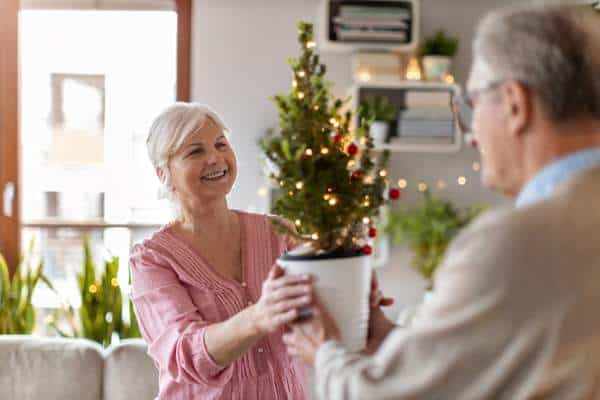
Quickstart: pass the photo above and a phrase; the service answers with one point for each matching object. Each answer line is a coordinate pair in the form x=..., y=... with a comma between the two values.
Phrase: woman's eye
x=195, y=151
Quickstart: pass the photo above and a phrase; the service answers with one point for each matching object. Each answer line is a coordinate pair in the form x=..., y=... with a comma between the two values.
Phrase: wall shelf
x=352, y=25
x=416, y=97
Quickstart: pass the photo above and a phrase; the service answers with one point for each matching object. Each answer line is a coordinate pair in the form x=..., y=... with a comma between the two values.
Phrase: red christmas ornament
x=372, y=232
x=394, y=193
x=337, y=138
x=352, y=149
x=367, y=249
x=356, y=174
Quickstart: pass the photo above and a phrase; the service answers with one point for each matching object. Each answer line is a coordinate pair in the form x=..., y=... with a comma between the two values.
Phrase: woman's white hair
x=168, y=132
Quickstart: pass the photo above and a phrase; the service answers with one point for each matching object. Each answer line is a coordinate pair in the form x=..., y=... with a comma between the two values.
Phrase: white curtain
x=98, y=4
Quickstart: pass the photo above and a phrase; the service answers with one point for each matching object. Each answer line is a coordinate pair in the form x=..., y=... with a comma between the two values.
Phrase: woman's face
x=204, y=168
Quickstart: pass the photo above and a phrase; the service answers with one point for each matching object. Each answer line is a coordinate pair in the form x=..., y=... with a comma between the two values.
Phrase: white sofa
x=35, y=368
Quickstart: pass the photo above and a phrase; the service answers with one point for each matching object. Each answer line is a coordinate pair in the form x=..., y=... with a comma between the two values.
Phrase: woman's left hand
x=376, y=297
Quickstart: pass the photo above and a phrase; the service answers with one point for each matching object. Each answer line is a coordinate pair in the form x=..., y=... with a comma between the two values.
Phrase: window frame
x=10, y=226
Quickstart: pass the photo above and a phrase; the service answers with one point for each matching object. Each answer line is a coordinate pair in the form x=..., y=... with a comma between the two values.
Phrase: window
x=90, y=85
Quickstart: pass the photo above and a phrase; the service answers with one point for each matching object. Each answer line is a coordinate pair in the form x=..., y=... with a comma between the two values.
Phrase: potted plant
x=428, y=229
x=101, y=313
x=331, y=191
x=437, y=53
x=17, y=314
x=379, y=112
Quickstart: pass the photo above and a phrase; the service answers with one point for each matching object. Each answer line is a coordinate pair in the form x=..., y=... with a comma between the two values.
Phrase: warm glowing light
x=262, y=192
x=315, y=236
x=300, y=95
x=364, y=76
x=324, y=150
x=326, y=196
x=413, y=70
x=366, y=220
x=299, y=185
x=301, y=74
x=295, y=83
x=441, y=184
x=351, y=164
x=368, y=180
x=383, y=173
x=114, y=282
x=449, y=78
x=476, y=166
x=298, y=222
x=402, y=183
x=422, y=186
x=310, y=44
x=462, y=180
x=332, y=201
x=93, y=289
x=308, y=152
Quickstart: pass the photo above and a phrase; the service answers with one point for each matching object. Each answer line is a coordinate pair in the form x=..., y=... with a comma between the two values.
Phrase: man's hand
x=303, y=338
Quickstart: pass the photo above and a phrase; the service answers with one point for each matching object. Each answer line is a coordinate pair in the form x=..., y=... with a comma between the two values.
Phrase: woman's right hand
x=281, y=298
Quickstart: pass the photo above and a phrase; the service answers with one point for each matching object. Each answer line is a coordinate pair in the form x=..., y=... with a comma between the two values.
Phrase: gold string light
x=299, y=185
x=462, y=180
x=402, y=183
x=308, y=152
x=422, y=186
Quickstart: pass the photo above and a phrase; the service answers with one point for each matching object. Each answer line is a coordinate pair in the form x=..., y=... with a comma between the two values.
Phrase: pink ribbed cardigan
x=176, y=294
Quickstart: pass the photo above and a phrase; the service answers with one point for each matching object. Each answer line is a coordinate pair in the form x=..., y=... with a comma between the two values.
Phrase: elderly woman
x=210, y=301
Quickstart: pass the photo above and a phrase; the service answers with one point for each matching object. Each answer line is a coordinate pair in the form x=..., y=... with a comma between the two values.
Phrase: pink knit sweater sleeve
x=170, y=322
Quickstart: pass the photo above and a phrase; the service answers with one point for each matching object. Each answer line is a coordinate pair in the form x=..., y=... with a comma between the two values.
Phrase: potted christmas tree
x=437, y=53
x=331, y=190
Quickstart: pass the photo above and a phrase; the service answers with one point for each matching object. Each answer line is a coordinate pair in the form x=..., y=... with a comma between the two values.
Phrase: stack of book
x=369, y=23
x=427, y=117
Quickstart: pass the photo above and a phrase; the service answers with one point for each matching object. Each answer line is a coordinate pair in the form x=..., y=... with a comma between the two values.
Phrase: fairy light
x=332, y=201
x=308, y=152
x=299, y=185
x=351, y=164
x=281, y=183
x=368, y=180
x=301, y=74
x=324, y=150
x=315, y=236
x=295, y=83
x=310, y=44
x=291, y=193
x=298, y=222
x=93, y=289
x=366, y=203
x=422, y=186
x=363, y=140
x=329, y=190
x=383, y=173
x=326, y=196
x=316, y=107
x=366, y=220
x=402, y=184
x=476, y=166
x=441, y=184
x=300, y=95
x=114, y=282
x=334, y=122
x=462, y=181
x=449, y=78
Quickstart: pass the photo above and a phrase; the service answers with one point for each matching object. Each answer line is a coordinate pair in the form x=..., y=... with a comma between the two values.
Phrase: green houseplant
x=100, y=316
x=437, y=53
x=332, y=189
x=379, y=112
x=17, y=314
x=428, y=229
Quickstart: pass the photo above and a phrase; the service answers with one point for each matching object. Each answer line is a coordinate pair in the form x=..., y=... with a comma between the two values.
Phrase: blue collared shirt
x=545, y=182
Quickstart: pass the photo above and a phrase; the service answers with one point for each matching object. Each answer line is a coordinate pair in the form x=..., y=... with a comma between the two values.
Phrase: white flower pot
x=436, y=67
x=343, y=284
x=379, y=132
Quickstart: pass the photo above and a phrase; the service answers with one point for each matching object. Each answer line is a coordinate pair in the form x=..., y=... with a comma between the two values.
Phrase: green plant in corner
x=377, y=108
x=17, y=314
x=440, y=45
x=101, y=313
x=428, y=229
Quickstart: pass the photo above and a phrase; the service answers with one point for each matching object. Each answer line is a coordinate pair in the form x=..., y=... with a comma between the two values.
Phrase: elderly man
x=516, y=308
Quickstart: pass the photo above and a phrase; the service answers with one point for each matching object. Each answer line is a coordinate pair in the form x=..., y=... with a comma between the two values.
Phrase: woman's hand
x=376, y=297
x=281, y=298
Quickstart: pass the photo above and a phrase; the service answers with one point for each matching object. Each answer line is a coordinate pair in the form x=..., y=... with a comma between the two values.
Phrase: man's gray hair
x=554, y=50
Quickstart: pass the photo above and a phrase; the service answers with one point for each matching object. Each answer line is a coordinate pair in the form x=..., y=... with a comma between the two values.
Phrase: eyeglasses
x=463, y=105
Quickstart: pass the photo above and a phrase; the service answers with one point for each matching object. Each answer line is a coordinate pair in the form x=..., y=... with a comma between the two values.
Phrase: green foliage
x=100, y=314
x=17, y=315
x=428, y=229
x=377, y=108
x=313, y=168
x=440, y=45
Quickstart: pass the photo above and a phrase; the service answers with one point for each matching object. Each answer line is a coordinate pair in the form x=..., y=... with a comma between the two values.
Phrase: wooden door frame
x=10, y=232
x=10, y=227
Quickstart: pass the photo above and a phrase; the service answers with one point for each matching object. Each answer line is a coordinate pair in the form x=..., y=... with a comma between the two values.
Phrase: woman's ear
x=160, y=173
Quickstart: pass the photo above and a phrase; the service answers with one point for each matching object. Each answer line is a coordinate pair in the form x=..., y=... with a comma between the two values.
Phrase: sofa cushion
x=129, y=372
x=34, y=368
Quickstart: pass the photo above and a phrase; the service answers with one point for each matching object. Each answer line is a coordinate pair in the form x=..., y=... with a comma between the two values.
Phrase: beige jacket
x=515, y=313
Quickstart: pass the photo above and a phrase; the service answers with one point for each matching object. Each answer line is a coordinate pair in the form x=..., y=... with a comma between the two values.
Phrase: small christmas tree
x=331, y=188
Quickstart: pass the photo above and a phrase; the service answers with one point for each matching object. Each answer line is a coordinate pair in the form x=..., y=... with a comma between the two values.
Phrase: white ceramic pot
x=379, y=132
x=436, y=67
x=343, y=285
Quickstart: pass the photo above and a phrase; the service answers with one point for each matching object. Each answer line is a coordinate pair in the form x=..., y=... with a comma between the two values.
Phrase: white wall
x=239, y=54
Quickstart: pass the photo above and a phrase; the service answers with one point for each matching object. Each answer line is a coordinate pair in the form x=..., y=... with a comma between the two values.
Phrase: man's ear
x=517, y=103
